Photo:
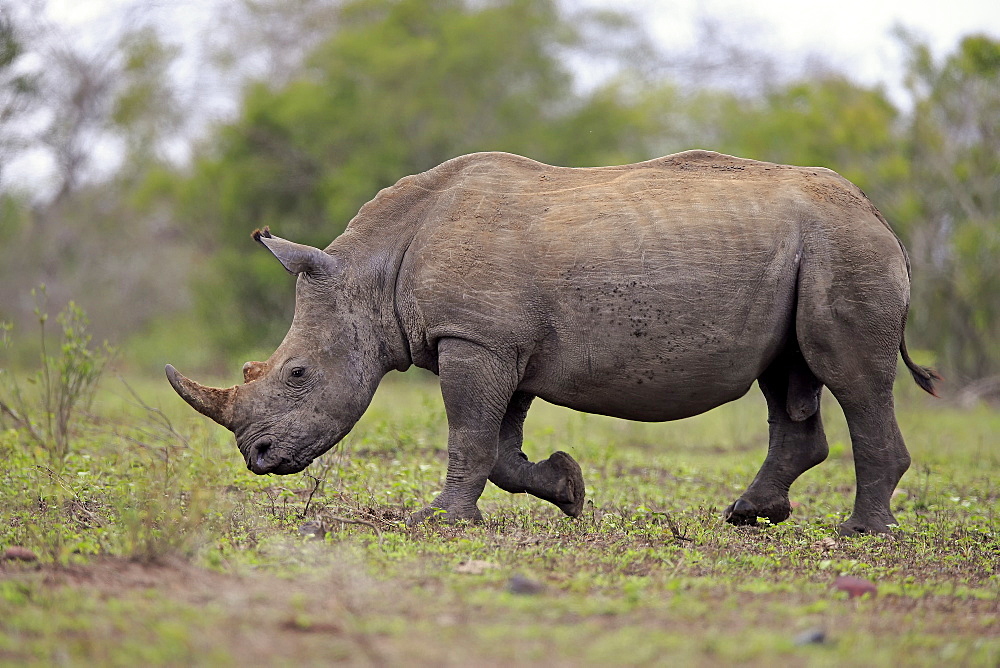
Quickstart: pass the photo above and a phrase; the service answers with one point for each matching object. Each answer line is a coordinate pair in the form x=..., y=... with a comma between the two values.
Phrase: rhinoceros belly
x=648, y=345
x=662, y=374
x=644, y=388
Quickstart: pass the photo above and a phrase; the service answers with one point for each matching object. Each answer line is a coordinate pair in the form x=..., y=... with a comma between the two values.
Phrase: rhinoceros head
x=317, y=384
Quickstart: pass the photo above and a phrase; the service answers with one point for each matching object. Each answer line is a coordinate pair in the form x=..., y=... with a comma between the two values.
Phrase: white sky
x=853, y=36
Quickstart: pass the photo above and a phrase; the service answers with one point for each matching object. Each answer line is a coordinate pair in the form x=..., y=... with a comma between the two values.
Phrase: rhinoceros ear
x=297, y=258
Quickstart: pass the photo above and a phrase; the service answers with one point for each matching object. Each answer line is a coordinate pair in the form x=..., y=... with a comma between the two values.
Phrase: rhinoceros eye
x=298, y=372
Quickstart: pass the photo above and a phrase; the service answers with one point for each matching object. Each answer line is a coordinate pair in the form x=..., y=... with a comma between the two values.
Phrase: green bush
x=63, y=386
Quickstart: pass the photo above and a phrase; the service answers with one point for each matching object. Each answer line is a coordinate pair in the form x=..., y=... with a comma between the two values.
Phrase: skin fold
x=653, y=291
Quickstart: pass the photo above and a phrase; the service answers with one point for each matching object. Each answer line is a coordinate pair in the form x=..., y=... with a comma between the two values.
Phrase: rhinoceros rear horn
x=209, y=401
x=296, y=258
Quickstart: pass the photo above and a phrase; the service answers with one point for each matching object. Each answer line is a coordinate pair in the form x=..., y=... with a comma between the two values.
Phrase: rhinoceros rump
x=652, y=291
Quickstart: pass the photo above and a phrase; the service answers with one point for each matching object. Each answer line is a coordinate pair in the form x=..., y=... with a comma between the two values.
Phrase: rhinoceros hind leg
x=796, y=441
x=849, y=327
x=880, y=460
x=557, y=479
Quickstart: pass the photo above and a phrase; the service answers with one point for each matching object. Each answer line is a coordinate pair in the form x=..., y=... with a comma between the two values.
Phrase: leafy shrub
x=63, y=386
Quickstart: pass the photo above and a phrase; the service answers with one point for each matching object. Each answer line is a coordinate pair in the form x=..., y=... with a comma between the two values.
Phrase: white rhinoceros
x=652, y=291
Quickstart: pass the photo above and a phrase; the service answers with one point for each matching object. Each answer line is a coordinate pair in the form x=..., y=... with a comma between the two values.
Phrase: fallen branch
x=80, y=504
x=21, y=422
x=316, y=484
x=347, y=520
x=675, y=530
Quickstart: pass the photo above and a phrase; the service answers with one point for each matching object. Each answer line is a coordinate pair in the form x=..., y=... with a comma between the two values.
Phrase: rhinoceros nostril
x=261, y=452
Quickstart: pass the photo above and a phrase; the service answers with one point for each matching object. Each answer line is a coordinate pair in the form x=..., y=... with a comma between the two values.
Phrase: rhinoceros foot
x=741, y=513
x=859, y=526
x=568, y=489
x=745, y=512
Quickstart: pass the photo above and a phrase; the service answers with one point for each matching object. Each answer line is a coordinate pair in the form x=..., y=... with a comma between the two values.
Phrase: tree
x=955, y=239
x=18, y=89
x=145, y=109
x=85, y=238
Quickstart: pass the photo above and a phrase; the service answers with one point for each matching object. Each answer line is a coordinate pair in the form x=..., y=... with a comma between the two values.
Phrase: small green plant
x=63, y=385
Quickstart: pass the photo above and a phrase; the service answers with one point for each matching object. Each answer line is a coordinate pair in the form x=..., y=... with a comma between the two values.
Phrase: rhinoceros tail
x=257, y=234
x=924, y=376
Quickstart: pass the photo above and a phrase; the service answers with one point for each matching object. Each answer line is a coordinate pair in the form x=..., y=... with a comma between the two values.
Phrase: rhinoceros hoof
x=571, y=491
x=741, y=513
x=859, y=527
x=746, y=512
x=445, y=515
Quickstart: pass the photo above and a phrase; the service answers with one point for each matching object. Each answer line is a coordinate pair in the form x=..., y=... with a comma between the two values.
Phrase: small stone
x=811, y=637
x=17, y=553
x=312, y=528
x=825, y=545
x=855, y=587
x=519, y=584
x=474, y=567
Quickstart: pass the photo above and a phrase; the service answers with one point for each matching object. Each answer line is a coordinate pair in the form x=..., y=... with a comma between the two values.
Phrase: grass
x=156, y=546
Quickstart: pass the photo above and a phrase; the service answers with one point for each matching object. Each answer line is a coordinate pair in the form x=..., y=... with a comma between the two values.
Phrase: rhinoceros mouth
x=267, y=453
x=263, y=457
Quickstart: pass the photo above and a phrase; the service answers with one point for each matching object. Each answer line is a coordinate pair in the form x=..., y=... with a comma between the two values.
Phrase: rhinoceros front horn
x=209, y=401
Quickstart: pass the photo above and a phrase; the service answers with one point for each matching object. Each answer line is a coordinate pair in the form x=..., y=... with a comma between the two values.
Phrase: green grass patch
x=155, y=546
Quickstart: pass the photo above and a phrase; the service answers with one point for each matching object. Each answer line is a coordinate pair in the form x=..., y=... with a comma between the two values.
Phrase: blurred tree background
x=147, y=222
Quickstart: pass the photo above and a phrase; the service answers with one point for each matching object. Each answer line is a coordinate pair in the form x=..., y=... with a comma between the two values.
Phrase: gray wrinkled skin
x=653, y=291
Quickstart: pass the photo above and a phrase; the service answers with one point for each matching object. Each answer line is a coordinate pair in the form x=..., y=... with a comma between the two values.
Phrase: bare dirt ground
x=245, y=619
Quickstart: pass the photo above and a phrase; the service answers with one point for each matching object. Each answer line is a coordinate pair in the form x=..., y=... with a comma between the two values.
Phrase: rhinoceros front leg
x=557, y=479
x=477, y=386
